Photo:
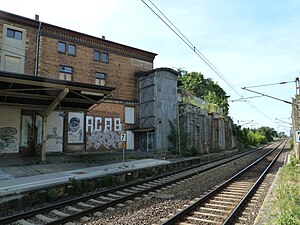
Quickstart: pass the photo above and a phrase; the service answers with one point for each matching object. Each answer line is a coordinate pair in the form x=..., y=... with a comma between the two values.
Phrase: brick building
x=104, y=70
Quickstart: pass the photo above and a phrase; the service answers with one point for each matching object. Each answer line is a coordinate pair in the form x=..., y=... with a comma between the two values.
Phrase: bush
x=78, y=190
x=287, y=206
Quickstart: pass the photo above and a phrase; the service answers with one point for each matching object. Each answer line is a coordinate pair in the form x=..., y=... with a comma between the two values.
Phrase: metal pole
x=178, y=130
x=123, y=156
x=43, y=153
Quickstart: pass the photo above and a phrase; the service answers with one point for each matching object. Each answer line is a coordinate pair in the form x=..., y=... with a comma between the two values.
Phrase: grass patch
x=286, y=210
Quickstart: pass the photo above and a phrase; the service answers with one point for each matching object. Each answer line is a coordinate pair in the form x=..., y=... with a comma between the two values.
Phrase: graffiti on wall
x=106, y=138
x=75, y=128
x=103, y=132
x=8, y=139
x=54, y=132
x=54, y=136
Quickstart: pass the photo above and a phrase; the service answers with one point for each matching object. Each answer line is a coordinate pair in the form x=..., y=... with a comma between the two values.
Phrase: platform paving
x=58, y=174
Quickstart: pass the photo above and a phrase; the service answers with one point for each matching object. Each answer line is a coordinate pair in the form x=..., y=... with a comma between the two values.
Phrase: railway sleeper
x=129, y=190
x=137, y=189
x=202, y=220
x=222, y=202
x=234, y=193
x=24, y=222
x=114, y=196
x=84, y=205
x=97, y=202
x=218, y=206
x=122, y=193
x=215, y=210
x=228, y=198
x=59, y=213
x=106, y=198
x=44, y=219
x=210, y=215
x=73, y=209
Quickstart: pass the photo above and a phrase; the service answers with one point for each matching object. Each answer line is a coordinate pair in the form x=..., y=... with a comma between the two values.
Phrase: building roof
x=163, y=69
x=46, y=27
x=44, y=94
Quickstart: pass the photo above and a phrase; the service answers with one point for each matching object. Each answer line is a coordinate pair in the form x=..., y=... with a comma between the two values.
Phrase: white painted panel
x=12, y=64
x=130, y=140
x=54, y=133
x=10, y=121
x=75, y=127
x=129, y=115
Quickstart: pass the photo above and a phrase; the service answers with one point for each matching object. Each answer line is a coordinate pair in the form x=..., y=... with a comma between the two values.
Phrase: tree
x=268, y=132
x=205, y=89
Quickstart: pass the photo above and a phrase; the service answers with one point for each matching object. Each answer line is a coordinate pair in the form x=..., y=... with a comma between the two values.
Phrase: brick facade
x=123, y=63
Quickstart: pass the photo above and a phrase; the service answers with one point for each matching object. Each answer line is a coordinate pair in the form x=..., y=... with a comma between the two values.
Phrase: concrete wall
x=165, y=93
x=206, y=132
x=158, y=101
x=10, y=122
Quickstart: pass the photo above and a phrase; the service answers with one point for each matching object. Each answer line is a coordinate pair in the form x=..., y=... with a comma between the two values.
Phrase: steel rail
x=45, y=209
x=189, y=209
x=244, y=201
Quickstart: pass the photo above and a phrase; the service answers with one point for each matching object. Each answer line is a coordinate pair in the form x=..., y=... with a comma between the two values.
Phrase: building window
x=15, y=34
x=129, y=115
x=61, y=47
x=100, y=78
x=65, y=72
x=96, y=55
x=72, y=50
x=104, y=57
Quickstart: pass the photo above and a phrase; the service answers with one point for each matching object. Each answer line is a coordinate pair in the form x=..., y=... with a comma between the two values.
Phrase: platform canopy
x=47, y=94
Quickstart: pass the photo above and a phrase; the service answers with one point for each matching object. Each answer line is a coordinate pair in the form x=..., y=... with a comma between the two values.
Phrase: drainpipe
x=37, y=46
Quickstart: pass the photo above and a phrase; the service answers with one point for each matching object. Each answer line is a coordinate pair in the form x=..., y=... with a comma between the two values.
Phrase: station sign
x=123, y=137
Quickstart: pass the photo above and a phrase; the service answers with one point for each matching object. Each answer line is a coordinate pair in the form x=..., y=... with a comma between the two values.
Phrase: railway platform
x=19, y=174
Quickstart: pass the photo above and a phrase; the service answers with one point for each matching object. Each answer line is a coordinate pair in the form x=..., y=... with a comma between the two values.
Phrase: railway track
x=74, y=209
x=225, y=204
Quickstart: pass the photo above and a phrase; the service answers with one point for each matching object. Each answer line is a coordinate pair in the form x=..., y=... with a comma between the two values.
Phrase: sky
x=251, y=42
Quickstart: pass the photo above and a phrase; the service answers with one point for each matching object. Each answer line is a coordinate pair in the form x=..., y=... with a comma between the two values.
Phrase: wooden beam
x=53, y=105
x=52, y=85
x=46, y=97
x=29, y=89
x=39, y=107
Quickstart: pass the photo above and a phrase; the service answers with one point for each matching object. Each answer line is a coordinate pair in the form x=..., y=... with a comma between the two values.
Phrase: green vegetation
x=205, y=89
x=286, y=210
x=54, y=193
x=185, y=149
x=77, y=186
x=253, y=137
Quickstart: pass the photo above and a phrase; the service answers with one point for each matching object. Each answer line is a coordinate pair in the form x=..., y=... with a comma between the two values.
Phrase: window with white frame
x=100, y=78
x=15, y=34
x=129, y=115
x=65, y=72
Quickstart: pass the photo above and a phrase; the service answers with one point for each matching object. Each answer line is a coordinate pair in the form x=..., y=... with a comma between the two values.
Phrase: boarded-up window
x=12, y=64
x=129, y=115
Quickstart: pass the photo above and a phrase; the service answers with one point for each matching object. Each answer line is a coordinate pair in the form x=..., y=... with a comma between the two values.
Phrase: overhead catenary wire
x=191, y=46
x=265, y=85
x=199, y=54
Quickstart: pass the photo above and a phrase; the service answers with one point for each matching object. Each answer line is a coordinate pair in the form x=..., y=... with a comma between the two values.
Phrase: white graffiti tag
x=107, y=139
